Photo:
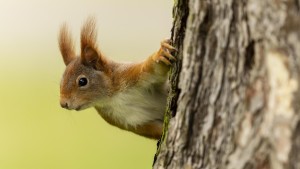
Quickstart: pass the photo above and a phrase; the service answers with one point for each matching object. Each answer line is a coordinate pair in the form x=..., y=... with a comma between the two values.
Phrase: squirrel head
x=86, y=78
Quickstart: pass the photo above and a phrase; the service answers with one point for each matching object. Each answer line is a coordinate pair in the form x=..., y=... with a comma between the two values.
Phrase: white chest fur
x=135, y=106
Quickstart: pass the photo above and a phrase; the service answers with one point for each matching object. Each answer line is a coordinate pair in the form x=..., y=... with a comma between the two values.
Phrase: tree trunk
x=238, y=88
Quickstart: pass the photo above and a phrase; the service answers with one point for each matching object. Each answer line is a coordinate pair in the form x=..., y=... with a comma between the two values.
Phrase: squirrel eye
x=82, y=82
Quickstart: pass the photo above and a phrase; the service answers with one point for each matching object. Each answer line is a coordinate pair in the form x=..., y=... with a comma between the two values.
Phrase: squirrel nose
x=64, y=105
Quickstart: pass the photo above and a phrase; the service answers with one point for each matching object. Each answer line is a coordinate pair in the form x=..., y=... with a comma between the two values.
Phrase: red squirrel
x=131, y=96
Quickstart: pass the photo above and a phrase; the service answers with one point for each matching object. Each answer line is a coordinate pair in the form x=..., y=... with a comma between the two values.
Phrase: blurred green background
x=35, y=133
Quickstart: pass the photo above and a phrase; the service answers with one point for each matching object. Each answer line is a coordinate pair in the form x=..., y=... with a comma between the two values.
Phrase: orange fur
x=132, y=73
x=150, y=130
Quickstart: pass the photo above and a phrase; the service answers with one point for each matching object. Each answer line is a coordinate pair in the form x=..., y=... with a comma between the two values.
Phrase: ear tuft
x=90, y=55
x=88, y=35
x=66, y=44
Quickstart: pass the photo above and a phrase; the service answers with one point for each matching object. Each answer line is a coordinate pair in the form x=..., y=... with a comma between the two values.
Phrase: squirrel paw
x=164, y=53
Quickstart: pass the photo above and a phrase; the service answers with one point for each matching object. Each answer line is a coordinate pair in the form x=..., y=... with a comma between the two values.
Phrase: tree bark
x=238, y=103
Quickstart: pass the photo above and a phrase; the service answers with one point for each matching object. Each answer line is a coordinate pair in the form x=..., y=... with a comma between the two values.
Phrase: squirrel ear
x=91, y=57
x=66, y=45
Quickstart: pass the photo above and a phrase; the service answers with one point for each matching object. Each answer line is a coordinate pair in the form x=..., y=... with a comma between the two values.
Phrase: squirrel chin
x=82, y=107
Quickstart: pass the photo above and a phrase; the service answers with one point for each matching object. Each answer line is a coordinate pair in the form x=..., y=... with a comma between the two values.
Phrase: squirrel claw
x=164, y=54
x=164, y=60
x=169, y=56
x=166, y=44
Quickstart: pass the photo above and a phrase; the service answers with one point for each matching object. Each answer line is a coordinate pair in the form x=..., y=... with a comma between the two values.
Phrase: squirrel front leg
x=156, y=65
x=160, y=61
